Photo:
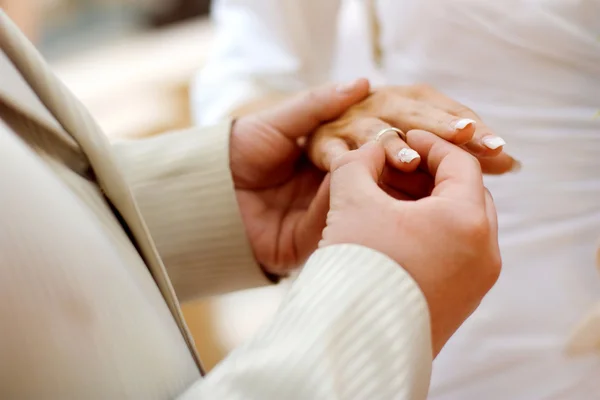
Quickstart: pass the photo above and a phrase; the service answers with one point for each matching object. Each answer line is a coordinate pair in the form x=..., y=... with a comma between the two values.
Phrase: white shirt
x=531, y=70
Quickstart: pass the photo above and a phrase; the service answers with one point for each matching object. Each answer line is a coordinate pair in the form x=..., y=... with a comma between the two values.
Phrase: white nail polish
x=463, y=123
x=493, y=142
x=407, y=155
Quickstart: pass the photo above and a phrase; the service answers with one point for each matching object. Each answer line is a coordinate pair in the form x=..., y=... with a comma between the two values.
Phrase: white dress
x=531, y=70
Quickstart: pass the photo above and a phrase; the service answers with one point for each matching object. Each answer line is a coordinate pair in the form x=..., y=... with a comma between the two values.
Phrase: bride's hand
x=407, y=108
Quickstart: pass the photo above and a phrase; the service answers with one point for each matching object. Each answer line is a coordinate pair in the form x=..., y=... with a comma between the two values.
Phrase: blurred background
x=129, y=61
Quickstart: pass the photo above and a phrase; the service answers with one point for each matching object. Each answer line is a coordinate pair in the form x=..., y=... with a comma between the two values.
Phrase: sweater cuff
x=183, y=185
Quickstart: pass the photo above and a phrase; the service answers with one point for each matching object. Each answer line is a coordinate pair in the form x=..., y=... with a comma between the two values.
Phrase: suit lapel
x=39, y=94
x=15, y=92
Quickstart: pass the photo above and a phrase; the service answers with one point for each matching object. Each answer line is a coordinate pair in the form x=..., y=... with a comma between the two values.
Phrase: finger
x=423, y=115
x=457, y=173
x=500, y=164
x=357, y=172
x=484, y=143
x=304, y=113
x=470, y=132
x=398, y=153
x=310, y=227
x=323, y=149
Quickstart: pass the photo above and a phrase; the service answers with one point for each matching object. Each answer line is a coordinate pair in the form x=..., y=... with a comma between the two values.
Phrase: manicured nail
x=463, y=123
x=493, y=142
x=407, y=155
x=346, y=88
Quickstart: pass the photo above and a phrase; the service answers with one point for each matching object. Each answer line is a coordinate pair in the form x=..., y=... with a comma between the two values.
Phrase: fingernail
x=493, y=142
x=463, y=123
x=516, y=166
x=346, y=88
x=407, y=155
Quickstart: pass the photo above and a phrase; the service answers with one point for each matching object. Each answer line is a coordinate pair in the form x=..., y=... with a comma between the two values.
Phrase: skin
x=457, y=218
x=407, y=108
x=289, y=206
x=283, y=197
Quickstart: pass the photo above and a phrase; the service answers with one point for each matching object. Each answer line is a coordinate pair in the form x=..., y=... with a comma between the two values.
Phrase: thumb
x=358, y=171
x=304, y=113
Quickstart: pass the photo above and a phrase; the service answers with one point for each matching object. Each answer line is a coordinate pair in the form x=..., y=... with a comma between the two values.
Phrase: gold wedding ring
x=390, y=129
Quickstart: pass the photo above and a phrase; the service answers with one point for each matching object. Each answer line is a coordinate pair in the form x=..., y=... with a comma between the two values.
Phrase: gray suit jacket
x=98, y=241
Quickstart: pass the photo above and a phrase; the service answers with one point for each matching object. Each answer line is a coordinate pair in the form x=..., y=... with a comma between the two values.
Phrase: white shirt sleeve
x=262, y=47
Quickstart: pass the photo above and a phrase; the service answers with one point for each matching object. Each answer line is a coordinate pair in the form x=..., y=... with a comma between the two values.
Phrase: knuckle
x=414, y=109
x=477, y=231
x=337, y=129
x=315, y=142
x=423, y=89
x=476, y=226
x=461, y=110
x=369, y=127
x=496, y=265
x=492, y=270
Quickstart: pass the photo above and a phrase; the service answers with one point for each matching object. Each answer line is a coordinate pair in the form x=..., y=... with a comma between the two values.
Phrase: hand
x=283, y=197
x=446, y=240
x=407, y=108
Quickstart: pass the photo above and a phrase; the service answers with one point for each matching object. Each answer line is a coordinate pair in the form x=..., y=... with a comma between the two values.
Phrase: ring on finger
x=382, y=132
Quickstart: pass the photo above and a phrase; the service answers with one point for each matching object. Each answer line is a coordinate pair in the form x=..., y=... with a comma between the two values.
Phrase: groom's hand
x=283, y=197
x=446, y=239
